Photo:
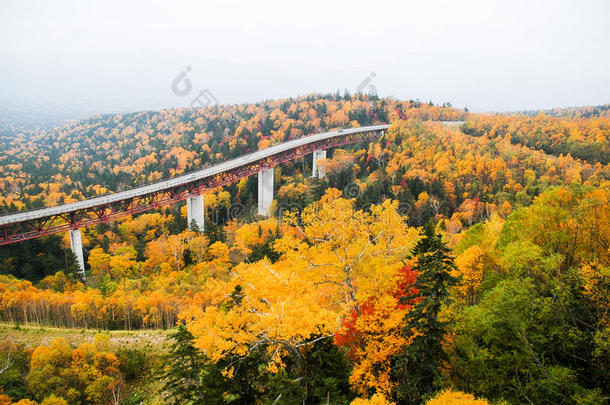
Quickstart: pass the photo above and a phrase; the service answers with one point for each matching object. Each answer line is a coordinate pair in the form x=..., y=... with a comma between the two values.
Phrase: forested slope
x=483, y=252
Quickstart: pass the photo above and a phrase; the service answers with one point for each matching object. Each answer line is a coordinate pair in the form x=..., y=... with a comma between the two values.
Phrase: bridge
x=70, y=217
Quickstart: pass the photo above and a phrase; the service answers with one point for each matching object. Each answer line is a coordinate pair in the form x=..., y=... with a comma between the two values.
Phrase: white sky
x=487, y=55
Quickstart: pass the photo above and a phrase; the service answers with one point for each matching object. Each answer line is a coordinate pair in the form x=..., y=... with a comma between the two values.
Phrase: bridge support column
x=194, y=212
x=265, y=191
x=318, y=171
x=76, y=244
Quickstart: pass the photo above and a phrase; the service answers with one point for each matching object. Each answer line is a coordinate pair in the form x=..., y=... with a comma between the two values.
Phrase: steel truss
x=51, y=224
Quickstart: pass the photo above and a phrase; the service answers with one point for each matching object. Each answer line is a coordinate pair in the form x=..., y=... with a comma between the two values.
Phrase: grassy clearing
x=153, y=341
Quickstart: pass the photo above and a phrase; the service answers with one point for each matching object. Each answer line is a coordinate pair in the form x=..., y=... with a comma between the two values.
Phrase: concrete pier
x=194, y=212
x=76, y=244
x=265, y=191
x=318, y=172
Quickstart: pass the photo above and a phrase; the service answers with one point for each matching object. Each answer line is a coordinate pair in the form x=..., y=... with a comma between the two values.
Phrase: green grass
x=153, y=341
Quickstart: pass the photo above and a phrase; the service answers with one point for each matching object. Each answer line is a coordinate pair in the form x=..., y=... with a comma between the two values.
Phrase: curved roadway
x=180, y=180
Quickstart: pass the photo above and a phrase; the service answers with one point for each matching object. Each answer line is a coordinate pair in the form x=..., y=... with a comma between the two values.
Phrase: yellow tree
x=470, y=266
x=377, y=399
x=334, y=259
x=450, y=397
x=123, y=262
x=99, y=261
x=198, y=247
x=87, y=372
x=167, y=252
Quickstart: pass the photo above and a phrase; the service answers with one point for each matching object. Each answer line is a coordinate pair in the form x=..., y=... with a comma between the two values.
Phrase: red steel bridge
x=69, y=217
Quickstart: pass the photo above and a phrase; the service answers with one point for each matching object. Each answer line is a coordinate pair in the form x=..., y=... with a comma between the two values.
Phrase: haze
x=104, y=56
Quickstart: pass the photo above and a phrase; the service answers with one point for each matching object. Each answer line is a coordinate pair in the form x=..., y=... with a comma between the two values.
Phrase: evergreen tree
x=193, y=226
x=416, y=369
x=183, y=365
x=214, y=232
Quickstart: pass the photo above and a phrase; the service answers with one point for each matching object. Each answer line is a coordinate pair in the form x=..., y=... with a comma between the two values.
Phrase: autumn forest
x=461, y=258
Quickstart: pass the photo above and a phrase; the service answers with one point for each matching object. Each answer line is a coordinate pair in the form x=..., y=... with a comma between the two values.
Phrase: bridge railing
x=44, y=221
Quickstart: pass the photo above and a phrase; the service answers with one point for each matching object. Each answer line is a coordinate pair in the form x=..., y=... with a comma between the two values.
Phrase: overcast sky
x=123, y=55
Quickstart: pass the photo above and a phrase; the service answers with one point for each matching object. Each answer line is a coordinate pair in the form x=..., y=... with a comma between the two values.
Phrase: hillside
x=511, y=212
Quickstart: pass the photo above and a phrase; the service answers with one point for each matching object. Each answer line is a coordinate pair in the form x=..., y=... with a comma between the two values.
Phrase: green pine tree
x=417, y=369
x=183, y=365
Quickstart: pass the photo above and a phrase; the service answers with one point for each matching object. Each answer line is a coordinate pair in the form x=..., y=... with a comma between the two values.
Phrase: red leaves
x=405, y=289
x=400, y=114
x=350, y=336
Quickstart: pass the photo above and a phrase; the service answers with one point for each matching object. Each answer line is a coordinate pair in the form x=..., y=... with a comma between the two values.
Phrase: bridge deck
x=227, y=166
